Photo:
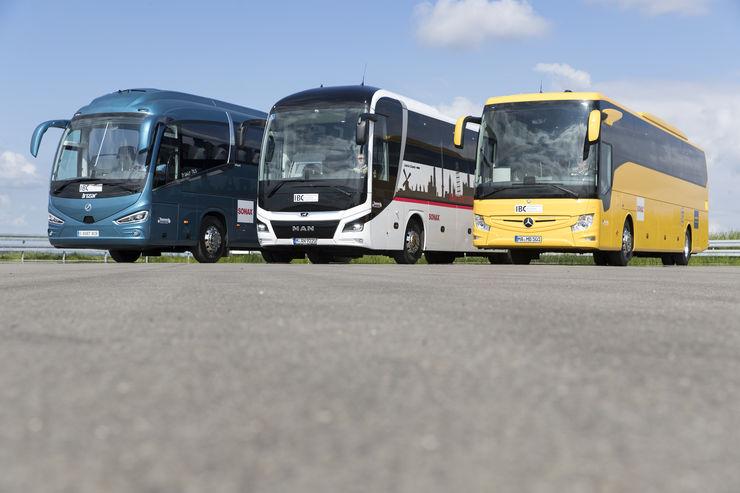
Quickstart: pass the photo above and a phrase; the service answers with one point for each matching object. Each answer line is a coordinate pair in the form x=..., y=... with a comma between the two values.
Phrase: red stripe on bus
x=432, y=202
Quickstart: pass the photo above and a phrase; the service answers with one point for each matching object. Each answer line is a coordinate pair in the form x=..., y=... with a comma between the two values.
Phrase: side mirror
x=160, y=175
x=460, y=125
x=270, y=151
x=38, y=134
x=594, y=126
x=363, y=128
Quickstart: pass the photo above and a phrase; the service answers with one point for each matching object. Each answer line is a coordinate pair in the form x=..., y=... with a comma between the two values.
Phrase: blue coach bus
x=142, y=171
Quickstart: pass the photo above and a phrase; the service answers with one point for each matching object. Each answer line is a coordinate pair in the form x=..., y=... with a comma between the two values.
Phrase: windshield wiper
x=272, y=192
x=334, y=187
x=519, y=187
x=71, y=182
x=562, y=189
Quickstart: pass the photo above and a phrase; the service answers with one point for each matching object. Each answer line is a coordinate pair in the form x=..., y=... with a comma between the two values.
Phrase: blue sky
x=675, y=58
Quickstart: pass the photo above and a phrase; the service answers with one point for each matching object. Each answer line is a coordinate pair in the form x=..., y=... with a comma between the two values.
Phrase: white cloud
x=661, y=7
x=460, y=106
x=709, y=115
x=17, y=171
x=455, y=23
x=563, y=76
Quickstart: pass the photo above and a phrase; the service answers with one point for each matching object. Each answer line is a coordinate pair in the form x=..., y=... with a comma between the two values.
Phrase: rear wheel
x=276, y=257
x=521, y=257
x=601, y=258
x=440, y=257
x=124, y=256
x=624, y=255
x=413, y=244
x=211, y=244
x=684, y=257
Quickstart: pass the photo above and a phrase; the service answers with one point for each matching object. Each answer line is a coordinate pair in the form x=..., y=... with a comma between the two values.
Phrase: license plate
x=527, y=239
x=305, y=241
x=88, y=233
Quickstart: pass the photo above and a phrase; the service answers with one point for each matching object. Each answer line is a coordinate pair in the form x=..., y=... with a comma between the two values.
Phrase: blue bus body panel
x=175, y=212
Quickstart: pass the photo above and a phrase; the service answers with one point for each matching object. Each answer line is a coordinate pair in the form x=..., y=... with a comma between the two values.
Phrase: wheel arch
x=418, y=217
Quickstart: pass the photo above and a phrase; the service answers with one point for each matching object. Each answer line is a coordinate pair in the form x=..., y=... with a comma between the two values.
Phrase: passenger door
x=388, y=135
x=249, y=145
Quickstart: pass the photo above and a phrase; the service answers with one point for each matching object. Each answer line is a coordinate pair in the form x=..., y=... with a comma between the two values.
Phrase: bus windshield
x=536, y=148
x=314, y=144
x=101, y=149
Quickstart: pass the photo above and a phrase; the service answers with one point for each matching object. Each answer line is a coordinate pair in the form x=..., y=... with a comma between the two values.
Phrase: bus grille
x=314, y=229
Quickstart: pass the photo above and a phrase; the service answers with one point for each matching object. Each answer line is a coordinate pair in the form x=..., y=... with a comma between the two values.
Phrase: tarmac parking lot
x=355, y=378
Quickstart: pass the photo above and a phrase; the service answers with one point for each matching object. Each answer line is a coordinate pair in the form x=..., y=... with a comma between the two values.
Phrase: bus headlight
x=356, y=226
x=261, y=227
x=584, y=222
x=135, y=218
x=480, y=223
x=54, y=220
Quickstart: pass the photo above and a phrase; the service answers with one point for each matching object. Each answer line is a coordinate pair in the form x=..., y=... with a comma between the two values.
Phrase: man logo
x=528, y=222
x=304, y=214
x=303, y=229
x=88, y=207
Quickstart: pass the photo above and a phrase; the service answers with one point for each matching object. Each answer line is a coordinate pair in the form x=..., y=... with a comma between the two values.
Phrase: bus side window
x=605, y=168
x=205, y=145
x=250, y=143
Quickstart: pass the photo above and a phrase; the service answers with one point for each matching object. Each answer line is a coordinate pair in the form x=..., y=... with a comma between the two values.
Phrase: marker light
x=135, y=218
x=480, y=223
x=584, y=222
x=54, y=220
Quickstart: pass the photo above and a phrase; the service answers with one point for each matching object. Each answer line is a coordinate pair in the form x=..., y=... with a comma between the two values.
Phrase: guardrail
x=24, y=244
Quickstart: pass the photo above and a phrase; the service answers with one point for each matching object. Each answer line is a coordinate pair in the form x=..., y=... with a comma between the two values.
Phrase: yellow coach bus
x=577, y=172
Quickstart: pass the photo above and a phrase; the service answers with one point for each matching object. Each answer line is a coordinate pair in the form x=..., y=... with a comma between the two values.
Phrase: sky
x=677, y=59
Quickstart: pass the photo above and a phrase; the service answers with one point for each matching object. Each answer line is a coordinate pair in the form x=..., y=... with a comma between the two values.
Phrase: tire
x=601, y=258
x=521, y=257
x=276, y=257
x=413, y=244
x=668, y=259
x=211, y=244
x=624, y=255
x=125, y=256
x=500, y=258
x=684, y=257
x=440, y=257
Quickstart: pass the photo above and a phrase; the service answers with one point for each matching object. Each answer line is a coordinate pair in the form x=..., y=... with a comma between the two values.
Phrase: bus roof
x=588, y=96
x=157, y=101
x=358, y=93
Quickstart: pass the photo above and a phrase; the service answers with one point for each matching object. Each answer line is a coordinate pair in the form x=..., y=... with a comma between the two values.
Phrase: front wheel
x=124, y=256
x=601, y=258
x=413, y=244
x=211, y=244
x=521, y=257
x=684, y=257
x=624, y=255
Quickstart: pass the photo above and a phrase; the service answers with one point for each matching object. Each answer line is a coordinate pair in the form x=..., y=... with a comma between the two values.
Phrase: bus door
x=388, y=135
x=191, y=176
x=249, y=144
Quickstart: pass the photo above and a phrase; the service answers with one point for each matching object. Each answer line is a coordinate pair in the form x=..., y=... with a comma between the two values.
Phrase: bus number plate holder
x=88, y=233
x=305, y=241
x=527, y=239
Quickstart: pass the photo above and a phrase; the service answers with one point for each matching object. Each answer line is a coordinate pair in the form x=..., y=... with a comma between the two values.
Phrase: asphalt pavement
x=368, y=378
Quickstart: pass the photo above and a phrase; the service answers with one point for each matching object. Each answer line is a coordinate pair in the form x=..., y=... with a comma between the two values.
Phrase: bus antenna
x=364, y=71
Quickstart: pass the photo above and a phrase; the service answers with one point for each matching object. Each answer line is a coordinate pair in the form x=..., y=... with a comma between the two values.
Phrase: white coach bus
x=355, y=170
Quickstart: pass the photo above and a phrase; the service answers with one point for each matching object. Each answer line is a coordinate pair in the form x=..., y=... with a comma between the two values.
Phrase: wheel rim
x=687, y=246
x=212, y=240
x=413, y=242
x=626, y=240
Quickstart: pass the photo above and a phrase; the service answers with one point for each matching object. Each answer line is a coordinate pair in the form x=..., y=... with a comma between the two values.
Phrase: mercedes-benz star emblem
x=528, y=222
x=88, y=207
